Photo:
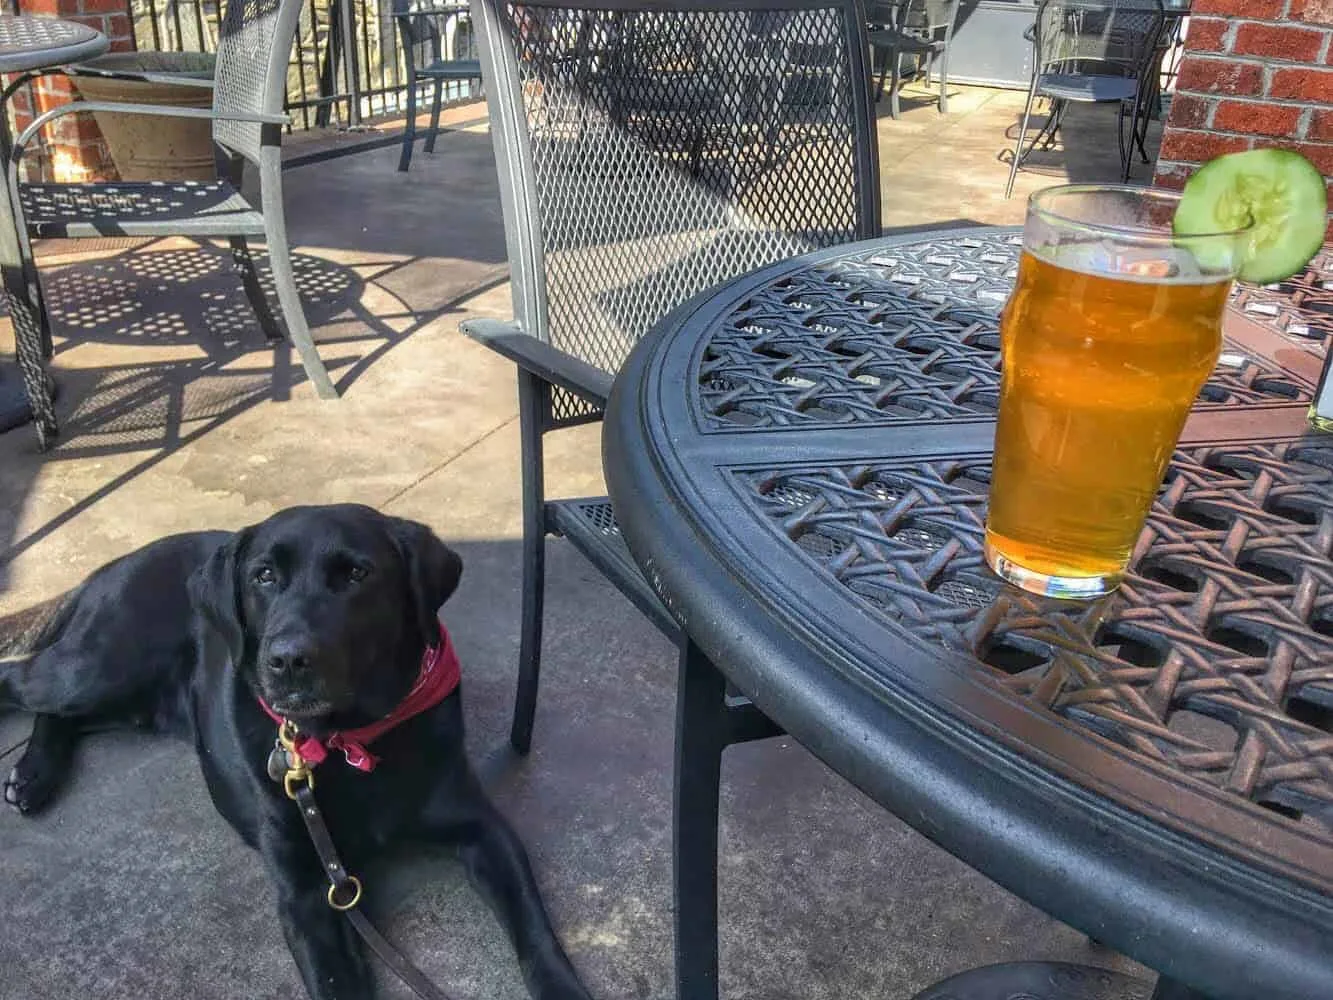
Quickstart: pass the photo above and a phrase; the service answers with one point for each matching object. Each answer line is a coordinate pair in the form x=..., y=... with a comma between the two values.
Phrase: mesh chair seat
x=451, y=69
x=903, y=41
x=1087, y=88
x=590, y=524
x=182, y=208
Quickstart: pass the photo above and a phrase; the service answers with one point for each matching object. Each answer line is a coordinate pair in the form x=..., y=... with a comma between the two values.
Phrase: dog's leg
x=58, y=682
x=44, y=764
x=327, y=952
x=498, y=866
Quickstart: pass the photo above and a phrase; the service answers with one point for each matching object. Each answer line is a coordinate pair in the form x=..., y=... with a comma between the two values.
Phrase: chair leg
x=883, y=75
x=243, y=257
x=1049, y=132
x=944, y=81
x=435, y=116
x=1018, y=146
x=44, y=317
x=533, y=395
x=284, y=281
x=895, y=81
x=701, y=736
x=1126, y=146
x=410, y=128
x=1141, y=131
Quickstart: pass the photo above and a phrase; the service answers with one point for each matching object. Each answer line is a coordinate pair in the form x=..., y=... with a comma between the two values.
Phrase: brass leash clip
x=297, y=770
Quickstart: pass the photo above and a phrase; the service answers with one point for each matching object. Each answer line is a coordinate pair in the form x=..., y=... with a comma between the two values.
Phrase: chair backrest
x=648, y=151
x=881, y=13
x=254, y=45
x=927, y=17
x=1104, y=37
x=434, y=31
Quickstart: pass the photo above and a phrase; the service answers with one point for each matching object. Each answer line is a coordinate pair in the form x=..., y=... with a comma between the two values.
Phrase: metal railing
x=328, y=82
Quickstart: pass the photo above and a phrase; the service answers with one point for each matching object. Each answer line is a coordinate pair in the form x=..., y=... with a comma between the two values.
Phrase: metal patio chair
x=433, y=37
x=922, y=29
x=647, y=152
x=1090, y=52
x=249, y=88
x=645, y=155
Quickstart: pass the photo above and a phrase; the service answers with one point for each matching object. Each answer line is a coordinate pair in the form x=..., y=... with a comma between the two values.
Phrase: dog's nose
x=289, y=656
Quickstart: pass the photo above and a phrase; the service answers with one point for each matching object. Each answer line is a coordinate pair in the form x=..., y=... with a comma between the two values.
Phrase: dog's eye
x=265, y=575
x=357, y=573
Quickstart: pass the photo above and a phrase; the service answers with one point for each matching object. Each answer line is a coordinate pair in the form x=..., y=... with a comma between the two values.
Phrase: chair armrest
x=157, y=110
x=540, y=358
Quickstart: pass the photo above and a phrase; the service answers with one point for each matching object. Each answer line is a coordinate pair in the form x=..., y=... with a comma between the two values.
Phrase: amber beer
x=1099, y=372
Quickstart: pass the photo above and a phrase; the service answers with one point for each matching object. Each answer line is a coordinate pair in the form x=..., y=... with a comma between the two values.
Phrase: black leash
x=287, y=767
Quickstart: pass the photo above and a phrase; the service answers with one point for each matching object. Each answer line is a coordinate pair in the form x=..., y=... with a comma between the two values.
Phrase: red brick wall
x=73, y=149
x=1256, y=73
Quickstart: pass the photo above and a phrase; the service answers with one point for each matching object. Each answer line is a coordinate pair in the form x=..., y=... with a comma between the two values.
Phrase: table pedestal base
x=1039, y=981
x=14, y=408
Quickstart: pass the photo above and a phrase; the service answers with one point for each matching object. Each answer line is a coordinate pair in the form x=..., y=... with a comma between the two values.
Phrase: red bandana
x=437, y=680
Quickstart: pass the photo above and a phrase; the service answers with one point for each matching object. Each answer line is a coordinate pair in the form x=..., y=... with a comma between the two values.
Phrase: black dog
x=325, y=613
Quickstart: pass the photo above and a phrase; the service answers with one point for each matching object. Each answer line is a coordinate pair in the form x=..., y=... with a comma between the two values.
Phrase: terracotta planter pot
x=146, y=148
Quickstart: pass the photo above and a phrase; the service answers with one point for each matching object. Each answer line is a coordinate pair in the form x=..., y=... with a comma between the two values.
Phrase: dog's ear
x=214, y=594
x=433, y=570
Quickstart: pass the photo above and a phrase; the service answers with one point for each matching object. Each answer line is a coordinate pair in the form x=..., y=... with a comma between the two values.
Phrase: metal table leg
x=701, y=736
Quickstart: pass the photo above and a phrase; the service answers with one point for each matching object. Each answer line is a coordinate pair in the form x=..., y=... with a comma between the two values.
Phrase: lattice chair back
x=926, y=17
x=1108, y=38
x=649, y=151
x=254, y=47
x=435, y=31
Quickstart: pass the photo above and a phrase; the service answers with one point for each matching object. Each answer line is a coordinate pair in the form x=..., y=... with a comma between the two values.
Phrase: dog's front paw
x=33, y=783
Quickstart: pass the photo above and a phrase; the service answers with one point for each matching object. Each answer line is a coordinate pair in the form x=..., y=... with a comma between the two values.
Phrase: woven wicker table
x=799, y=462
x=27, y=44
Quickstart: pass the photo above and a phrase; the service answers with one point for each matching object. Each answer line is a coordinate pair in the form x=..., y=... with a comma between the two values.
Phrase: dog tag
x=278, y=764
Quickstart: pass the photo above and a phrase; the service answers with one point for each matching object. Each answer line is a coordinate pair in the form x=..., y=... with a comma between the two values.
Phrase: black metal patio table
x=29, y=44
x=799, y=462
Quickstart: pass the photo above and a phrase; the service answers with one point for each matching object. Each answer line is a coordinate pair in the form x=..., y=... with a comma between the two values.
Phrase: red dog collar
x=438, y=679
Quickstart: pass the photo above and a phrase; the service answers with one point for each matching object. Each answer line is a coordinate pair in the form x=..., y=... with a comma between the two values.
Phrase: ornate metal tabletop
x=800, y=463
x=28, y=43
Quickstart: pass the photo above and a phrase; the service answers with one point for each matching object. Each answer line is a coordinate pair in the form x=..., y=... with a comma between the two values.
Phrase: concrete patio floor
x=174, y=418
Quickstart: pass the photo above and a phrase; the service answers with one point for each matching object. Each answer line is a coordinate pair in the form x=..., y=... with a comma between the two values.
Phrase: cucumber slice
x=1279, y=191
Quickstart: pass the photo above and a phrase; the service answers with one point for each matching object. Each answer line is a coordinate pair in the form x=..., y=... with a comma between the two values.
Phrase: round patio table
x=799, y=462
x=27, y=44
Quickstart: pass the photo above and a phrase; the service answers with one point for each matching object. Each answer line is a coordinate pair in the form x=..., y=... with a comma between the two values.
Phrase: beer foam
x=1164, y=265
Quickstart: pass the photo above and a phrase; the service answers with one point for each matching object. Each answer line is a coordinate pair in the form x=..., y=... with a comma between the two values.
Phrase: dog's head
x=326, y=611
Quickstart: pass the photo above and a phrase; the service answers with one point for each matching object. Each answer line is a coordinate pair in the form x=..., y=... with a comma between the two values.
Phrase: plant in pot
x=150, y=148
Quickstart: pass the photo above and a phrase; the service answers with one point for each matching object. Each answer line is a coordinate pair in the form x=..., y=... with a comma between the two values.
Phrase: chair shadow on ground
x=191, y=300
x=910, y=100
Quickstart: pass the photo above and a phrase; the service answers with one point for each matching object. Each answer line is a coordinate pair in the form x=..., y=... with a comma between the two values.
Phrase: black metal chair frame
x=693, y=124
x=1132, y=101
x=248, y=119
x=912, y=27
x=425, y=36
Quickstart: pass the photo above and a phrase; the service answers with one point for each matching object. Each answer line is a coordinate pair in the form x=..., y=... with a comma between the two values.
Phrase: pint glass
x=1110, y=332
